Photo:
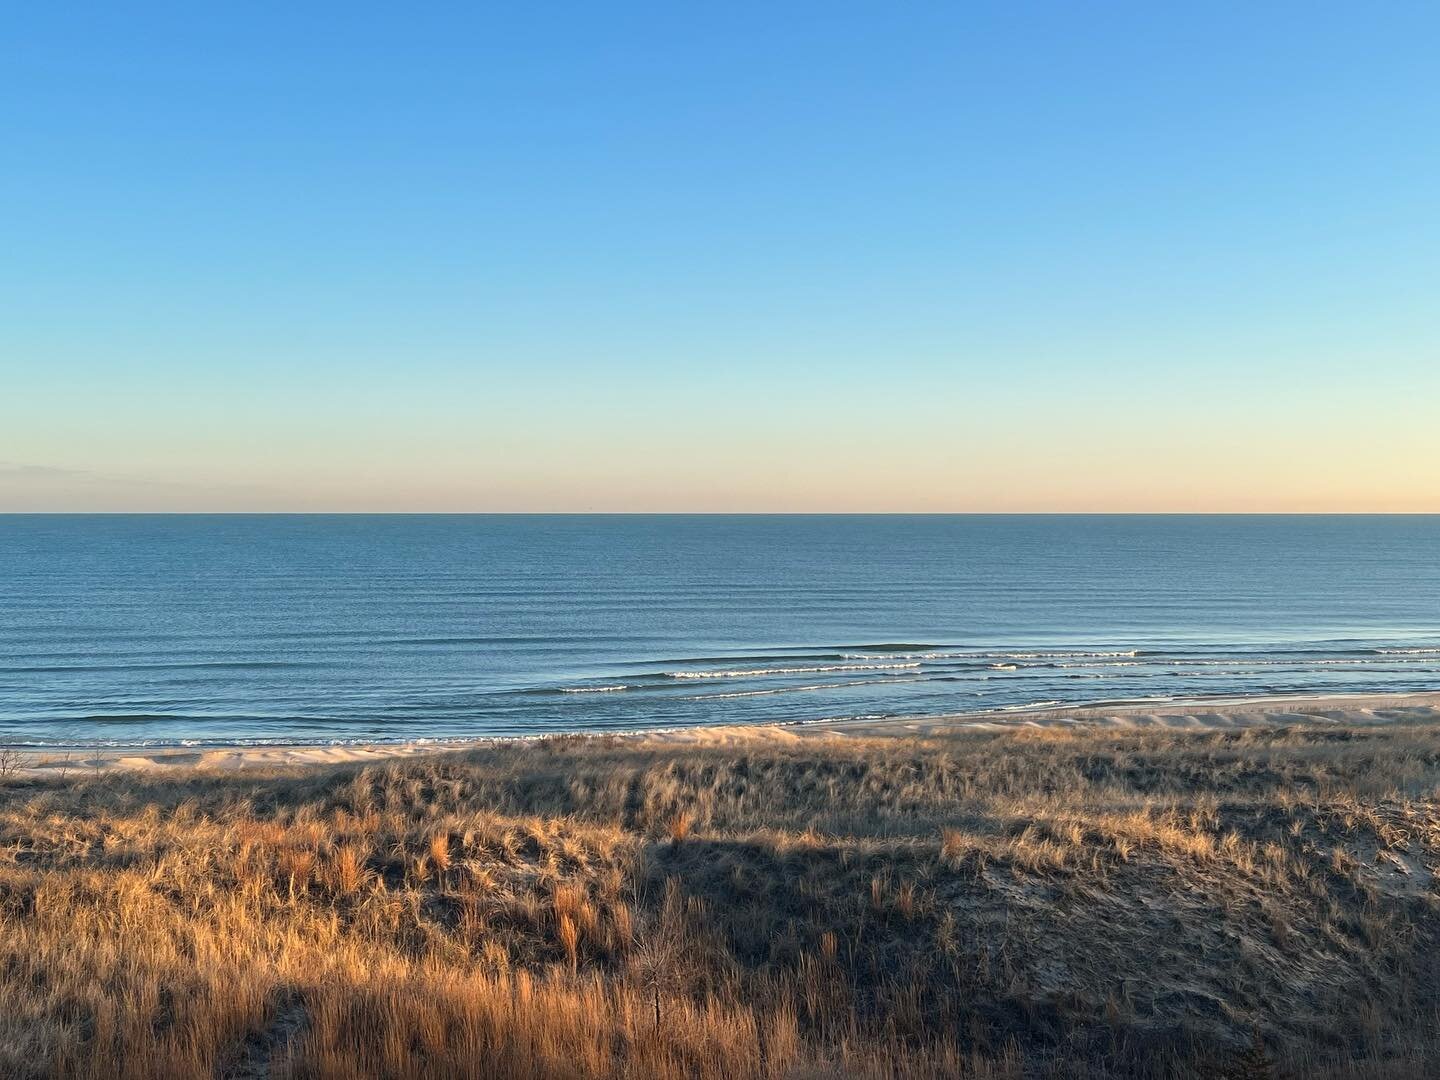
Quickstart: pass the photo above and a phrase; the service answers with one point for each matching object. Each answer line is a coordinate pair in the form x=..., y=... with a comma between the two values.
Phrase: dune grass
x=1037, y=903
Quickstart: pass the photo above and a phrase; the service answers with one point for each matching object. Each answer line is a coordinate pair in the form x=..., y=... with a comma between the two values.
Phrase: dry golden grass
x=1060, y=903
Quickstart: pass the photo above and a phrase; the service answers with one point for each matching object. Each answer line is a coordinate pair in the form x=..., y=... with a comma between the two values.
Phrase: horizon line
x=719, y=513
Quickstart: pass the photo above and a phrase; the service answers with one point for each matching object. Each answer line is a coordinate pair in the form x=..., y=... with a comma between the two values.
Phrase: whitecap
x=749, y=673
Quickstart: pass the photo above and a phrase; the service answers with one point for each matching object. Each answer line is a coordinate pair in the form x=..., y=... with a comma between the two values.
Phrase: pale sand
x=1208, y=715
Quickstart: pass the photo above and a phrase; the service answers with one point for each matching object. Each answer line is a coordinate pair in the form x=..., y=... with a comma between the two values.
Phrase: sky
x=724, y=257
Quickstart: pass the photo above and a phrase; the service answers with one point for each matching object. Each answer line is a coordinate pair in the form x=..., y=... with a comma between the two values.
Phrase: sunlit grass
x=1057, y=904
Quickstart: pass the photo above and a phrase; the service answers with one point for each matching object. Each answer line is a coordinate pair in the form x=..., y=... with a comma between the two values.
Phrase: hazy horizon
x=730, y=513
x=979, y=258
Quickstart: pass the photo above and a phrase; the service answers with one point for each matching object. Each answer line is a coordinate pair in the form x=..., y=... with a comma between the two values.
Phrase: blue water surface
x=153, y=630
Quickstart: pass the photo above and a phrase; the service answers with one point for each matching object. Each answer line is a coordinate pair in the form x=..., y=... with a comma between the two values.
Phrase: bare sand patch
x=1208, y=715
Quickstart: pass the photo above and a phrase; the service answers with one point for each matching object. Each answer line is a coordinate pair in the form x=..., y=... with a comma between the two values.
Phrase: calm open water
x=197, y=629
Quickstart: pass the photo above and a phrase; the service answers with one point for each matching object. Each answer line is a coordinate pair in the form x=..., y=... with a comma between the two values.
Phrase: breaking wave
x=754, y=673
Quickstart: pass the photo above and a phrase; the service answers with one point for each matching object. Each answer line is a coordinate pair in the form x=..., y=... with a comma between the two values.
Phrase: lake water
x=153, y=630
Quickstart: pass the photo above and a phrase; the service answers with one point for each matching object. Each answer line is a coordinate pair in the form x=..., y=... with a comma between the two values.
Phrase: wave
x=1064, y=654
x=980, y=655
x=743, y=657
x=771, y=690
x=762, y=693
x=1259, y=661
x=123, y=718
x=910, y=656
x=591, y=689
x=892, y=647
x=178, y=665
x=751, y=673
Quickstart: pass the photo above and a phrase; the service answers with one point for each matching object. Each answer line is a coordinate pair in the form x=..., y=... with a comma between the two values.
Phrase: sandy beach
x=1208, y=715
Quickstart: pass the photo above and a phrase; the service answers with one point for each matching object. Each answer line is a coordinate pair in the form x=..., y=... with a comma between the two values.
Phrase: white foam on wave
x=749, y=673
x=592, y=689
x=981, y=654
x=1327, y=663
x=1068, y=654
x=839, y=719
x=912, y=656
x=1255, y=661
x=763, y=693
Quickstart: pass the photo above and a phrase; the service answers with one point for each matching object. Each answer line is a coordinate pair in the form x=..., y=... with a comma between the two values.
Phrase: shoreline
x=1198, y=714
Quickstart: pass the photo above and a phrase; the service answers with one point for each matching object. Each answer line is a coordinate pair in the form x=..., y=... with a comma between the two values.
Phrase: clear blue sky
x=720, y=257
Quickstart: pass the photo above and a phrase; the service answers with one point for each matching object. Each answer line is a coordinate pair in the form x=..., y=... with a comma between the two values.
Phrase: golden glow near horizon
x=967, y=260
x=930, y=457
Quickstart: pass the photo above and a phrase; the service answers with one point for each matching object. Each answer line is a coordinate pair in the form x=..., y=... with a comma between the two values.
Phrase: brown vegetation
x=1052, y=903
